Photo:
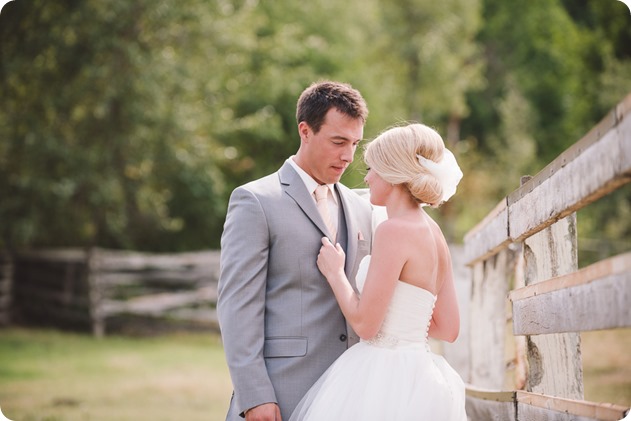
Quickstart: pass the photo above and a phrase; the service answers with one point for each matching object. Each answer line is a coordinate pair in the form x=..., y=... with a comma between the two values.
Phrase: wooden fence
x=523, y=258
x=102, y=290
x=6, y=283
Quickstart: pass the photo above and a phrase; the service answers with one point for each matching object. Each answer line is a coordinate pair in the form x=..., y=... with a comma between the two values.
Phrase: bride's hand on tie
x=331, y=259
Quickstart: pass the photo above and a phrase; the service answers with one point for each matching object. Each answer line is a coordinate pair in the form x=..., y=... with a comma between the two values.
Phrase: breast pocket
x=285, y=347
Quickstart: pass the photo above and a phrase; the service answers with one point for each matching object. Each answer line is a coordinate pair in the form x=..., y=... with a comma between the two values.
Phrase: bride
x=407, y=294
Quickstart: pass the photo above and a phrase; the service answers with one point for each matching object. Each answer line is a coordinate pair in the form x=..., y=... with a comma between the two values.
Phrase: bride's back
x=425, y=248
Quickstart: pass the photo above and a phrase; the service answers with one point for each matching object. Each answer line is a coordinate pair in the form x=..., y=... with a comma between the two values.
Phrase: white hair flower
x=446, y=171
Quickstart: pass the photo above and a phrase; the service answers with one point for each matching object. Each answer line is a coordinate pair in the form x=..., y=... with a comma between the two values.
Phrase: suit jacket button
x=343, y=337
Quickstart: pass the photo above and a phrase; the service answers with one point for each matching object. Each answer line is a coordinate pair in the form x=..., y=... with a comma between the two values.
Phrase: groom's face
x=330, y=151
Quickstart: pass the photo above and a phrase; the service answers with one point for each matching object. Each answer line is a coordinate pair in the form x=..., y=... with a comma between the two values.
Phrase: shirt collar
x=309, y=182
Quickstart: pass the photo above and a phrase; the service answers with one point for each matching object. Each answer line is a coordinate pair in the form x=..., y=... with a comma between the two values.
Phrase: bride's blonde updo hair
x=393, y=155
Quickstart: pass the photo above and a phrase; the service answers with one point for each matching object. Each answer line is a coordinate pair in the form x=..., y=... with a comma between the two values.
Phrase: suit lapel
x=295, y=188
x=351, y=230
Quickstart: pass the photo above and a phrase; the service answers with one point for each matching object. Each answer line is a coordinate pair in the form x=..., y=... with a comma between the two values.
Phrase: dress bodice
x=393, y=376
x=408, y=316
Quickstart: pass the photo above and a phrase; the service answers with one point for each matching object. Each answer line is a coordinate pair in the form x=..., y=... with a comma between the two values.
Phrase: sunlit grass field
x=46, y=375
x=49, y=376
x=607, y=365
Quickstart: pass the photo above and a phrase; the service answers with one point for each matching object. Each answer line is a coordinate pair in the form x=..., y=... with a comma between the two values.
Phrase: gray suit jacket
x=280, y=324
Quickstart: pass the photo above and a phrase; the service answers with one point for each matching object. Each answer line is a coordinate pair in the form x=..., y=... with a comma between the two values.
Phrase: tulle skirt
x=369, y=382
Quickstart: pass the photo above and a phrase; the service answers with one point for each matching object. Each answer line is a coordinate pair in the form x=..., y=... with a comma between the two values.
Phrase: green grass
x=46, y=375
x=54, y=376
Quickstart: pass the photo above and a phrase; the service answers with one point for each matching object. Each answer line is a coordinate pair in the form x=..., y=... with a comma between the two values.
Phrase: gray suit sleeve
x=241, y=301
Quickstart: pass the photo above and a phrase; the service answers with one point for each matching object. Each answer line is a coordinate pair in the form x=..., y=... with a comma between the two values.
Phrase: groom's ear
x=304, y=131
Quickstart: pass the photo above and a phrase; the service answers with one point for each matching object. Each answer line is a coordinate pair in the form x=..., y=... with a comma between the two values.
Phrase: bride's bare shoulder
x=398, y=227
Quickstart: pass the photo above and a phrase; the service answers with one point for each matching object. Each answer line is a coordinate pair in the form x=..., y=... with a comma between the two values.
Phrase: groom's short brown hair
x=320, y=97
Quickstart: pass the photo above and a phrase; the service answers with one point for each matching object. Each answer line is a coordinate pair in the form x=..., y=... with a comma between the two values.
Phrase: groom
x=280, y=324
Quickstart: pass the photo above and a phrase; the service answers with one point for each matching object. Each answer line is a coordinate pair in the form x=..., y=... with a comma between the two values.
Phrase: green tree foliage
x=287, y=46
x=96, y=149
x=127, y=124
x=532, y=48
x=552, y=76
x=435, y=58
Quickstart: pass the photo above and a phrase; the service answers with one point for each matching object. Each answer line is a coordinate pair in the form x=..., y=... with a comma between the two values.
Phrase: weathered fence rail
x=524, y=264
x=100, y=290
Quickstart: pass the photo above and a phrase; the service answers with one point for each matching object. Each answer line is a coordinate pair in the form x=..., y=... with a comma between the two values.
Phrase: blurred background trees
x=127, y=124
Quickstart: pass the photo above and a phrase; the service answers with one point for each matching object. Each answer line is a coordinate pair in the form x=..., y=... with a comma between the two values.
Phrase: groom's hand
x=265, y=412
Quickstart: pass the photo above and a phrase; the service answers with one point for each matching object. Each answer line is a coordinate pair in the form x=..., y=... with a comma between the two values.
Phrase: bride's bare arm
x=445, y=323
x=366, y=315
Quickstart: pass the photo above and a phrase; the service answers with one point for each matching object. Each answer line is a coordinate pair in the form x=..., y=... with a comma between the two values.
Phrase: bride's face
x=379, y=189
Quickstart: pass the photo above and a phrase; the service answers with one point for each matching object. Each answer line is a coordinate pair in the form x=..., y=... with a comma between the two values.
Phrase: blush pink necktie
x=321, y=194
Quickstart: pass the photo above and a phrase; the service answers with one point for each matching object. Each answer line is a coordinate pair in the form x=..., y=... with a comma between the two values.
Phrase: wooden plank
x=534, y=413
x=595, y=297
x=601, y=304
x=179, y=279
x=201, y=317
x=534, y=406
x=623, y=112
x=489, y=395
x=156, y=304
x=127, y=261
x=488, y=304
x=483, y=405
x=487, y=410
x=525, y=406
x=554, y=361
x=489, y=236
x=55, y=255
x=135, y=261
x=563, y=187
x=611, y=266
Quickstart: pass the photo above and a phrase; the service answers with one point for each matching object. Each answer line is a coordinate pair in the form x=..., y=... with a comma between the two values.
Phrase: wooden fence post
x=488, y=319
x=457, y=353
x=97, y=317
x=6, y=283
x=554, y=360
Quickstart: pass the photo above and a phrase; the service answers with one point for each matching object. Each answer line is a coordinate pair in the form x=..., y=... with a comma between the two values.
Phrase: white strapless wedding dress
x=393, y=376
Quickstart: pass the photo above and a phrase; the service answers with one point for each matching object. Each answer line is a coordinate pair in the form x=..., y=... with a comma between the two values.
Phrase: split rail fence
x=103, y=290
x=523, y=258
